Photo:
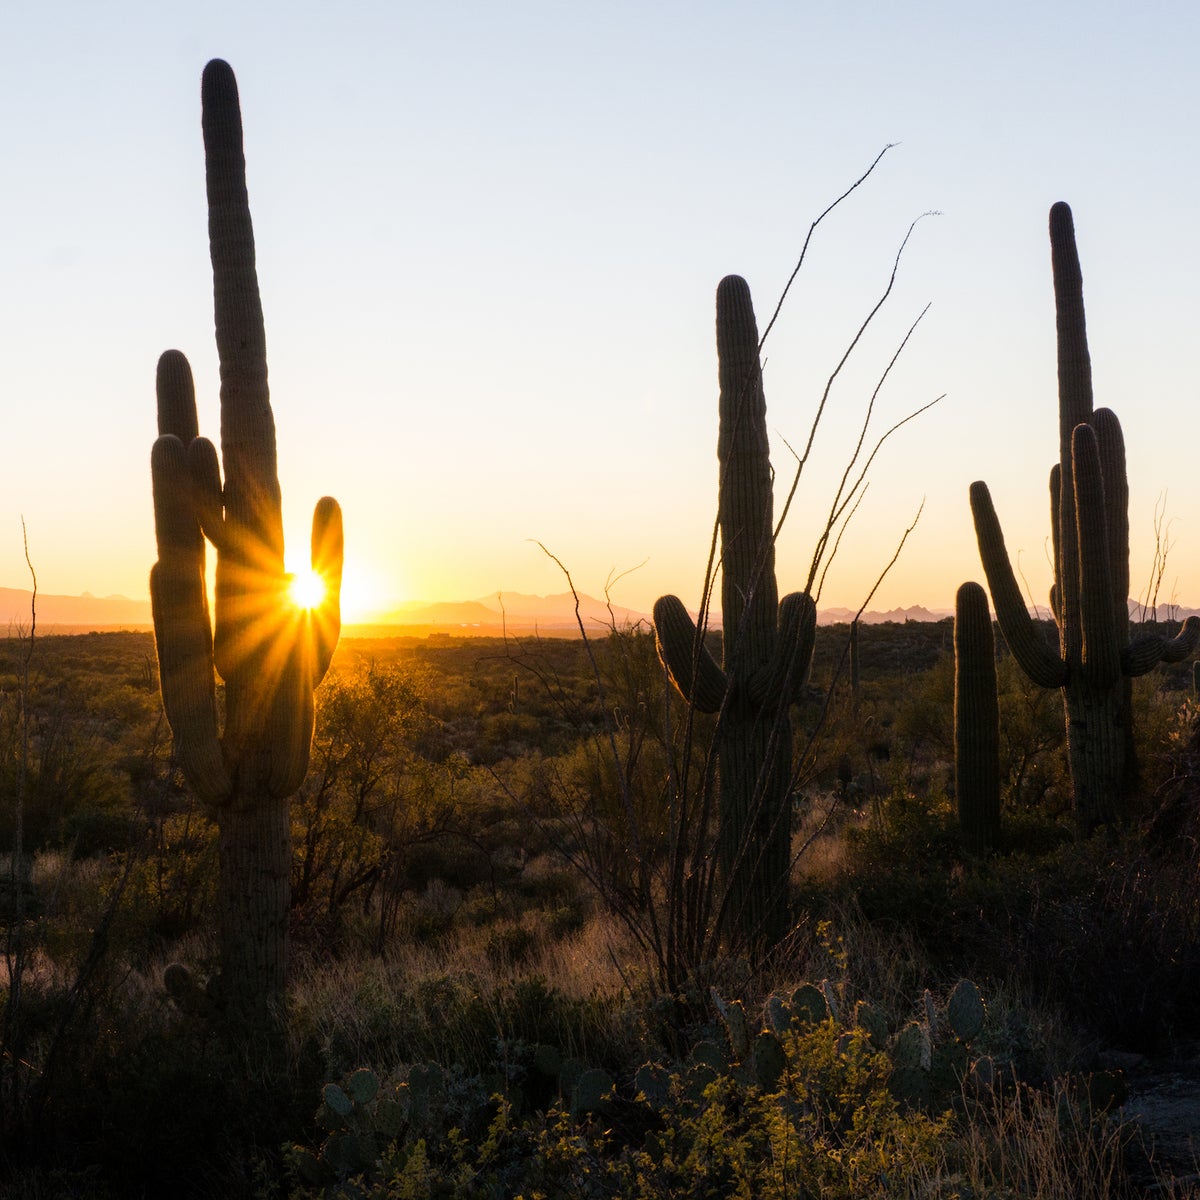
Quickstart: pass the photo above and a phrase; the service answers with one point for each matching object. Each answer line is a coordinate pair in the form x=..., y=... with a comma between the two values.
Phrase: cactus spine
x=1089, y=495
x=976, y=720
x=767, y=646
x=269, y=653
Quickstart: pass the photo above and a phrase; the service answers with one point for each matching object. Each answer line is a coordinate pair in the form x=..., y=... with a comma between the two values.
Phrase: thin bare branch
x=1037, y=614
x=859, y=483
x=802, y=459
x=787, y=287
x=892, y=561
x=836, y=545
x=818, y=726
x=615, y=577
x=1158, y=566
x=610, y=731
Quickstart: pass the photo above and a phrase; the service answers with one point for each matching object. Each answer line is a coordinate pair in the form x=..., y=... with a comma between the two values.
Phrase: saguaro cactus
x=1089, y=496
x=270, y=653
x=767, y=645
x=976, y=720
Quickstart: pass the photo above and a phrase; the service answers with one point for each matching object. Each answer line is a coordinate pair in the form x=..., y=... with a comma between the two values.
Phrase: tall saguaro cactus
x=976, y=720
x=270, y=653
x=1089, y=497
x=767, y=645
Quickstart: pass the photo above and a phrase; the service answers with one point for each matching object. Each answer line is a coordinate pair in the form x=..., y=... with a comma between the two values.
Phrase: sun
x=360, y=592
x=307, y=589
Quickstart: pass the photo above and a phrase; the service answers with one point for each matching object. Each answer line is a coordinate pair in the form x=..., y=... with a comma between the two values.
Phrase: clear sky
x=489, y=236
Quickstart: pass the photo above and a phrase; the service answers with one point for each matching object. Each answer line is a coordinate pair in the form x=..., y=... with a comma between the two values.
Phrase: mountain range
x=71, y=613
x=486, y=616
x=517, y=610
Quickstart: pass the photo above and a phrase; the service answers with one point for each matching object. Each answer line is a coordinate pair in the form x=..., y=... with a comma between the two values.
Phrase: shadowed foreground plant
x=270, y=653
x=1089, y=498
x=811, y=1096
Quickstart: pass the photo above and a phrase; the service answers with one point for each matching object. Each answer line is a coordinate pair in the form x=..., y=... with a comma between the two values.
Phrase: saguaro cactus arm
x=1110, y=442
x=1144, y=653
x=326, y=555
x=1100, y=657
x=1024, y=639
x=181, y=628
x=976, y=719
x=785, y=675
x=693, y=670
x=179, y=600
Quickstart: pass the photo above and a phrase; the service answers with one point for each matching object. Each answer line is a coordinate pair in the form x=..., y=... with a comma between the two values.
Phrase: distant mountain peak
x=517, y=610
x=82, y=612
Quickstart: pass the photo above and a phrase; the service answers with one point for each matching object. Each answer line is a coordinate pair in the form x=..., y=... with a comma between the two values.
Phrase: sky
x=489, y=237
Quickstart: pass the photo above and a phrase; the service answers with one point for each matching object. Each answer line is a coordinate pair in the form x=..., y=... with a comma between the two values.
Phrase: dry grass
x=456, y=997
x=449, y=999
x=818, y=847
x=1031, y=1144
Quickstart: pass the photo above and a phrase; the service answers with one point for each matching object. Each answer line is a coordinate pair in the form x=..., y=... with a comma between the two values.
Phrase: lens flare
x=307, y=589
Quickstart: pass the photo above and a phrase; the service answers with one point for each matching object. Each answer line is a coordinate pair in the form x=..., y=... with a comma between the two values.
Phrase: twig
x=802, y=459
x=787, y=287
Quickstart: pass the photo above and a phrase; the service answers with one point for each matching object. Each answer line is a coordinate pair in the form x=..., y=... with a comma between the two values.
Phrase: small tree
x=362, y=798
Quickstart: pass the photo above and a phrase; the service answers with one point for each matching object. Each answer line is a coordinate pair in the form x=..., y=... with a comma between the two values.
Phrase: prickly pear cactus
x=591, y=1091
x=926, y=1061
x=931, y=1058
x=965, y=1011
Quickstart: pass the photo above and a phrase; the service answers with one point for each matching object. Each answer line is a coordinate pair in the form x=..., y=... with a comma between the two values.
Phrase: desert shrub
x=358, y=794
x=377, y=819
x=814, y=1108
x=1033, y=770
x=1100, y=929
x=924, y=721
x=170, y=889
x=897, y=866
x=1033, y=766
x=832, y=1128
x=509, y=944
x=1105, y=932
x=166, y=1110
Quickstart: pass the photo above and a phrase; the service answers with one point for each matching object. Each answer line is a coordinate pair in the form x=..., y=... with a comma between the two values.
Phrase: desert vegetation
x=471, y=1009
x=765, y=911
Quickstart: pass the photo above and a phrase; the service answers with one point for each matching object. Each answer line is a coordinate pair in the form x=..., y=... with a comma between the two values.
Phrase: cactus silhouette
x=269, y=653
x=767, y=645
x=1089, y=497
x=976, y=720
